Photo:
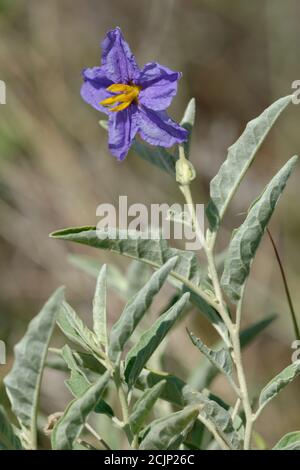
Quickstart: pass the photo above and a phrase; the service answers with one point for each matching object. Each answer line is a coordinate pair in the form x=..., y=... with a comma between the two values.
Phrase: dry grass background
x=236, y=58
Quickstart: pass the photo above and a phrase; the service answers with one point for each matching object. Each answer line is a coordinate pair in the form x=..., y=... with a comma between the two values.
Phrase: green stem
x=243, y=387
x=185, y=189
x=124, y=405
x=233, y=329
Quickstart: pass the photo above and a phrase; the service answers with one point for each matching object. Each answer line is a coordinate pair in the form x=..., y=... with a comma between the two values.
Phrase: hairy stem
x=233, y=328
x=124, y=406
x=237, y=355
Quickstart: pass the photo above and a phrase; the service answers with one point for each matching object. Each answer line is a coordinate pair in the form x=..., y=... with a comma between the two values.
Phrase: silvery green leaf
x=220, y=358
x=291, y=441
x=71, y=424
x=68, y=329
x=167, y=433
x=23, y=382
x=154, y=252
x=8, y=439
x=99, y=309
x=203, y=376
x=88, y=361
x=136, y=309
x=115, y=279
x=78, y=382
x=137, y=275
x=158, y=156
x=239, y=158
x=74, y=328
x=247, y=237
x=141, y=352
x=188, y=122
x=188, y=119
x=84, y=361
x=143, y=406
x=180, y=394
x=278, y=383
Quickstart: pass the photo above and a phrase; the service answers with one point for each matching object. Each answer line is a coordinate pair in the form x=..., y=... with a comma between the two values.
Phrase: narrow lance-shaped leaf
x=180, y=394
x=139, y=355
x=78, y=382
x=246, y=238
x=177, y=392
x=188, y=119
x=240, y=156
x=203, y=376
x=137, y=275
x=74, y=328
x=71, y=424
x=24, y=380
x=135, y=309
x=68, y=329
x=290, y=441
x=8, y=439
x=168, y=433
x=188, y=122
x=154, y=252
x=99, y=309
x=220, y=358
x=143, y=406
x=278, y=383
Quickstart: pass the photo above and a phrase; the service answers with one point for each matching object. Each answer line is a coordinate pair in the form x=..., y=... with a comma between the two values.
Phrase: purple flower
x=135, y=99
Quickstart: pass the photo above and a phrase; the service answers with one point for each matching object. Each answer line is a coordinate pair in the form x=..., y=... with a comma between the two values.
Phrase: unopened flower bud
x=185, y=171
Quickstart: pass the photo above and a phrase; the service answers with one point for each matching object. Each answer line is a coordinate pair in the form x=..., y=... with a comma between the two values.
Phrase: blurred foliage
x=236, y=58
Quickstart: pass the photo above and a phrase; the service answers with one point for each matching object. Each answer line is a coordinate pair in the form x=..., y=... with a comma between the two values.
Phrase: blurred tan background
x=236, y=58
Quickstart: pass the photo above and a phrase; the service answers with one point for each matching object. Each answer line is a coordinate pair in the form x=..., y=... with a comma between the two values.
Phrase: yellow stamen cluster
x=125, y=95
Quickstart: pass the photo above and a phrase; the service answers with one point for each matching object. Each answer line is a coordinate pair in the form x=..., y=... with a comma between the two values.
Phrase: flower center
x=124, y=96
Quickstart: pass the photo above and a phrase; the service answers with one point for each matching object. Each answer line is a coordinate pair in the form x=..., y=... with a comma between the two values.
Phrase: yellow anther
x=125, y=95
x=119, y=87
x=120, y=107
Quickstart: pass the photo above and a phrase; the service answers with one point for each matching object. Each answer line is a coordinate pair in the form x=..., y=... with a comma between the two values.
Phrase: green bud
x=185, y=171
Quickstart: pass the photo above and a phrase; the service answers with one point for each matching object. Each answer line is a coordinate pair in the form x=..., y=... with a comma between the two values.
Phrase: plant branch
x=209, y=425
x=233, y=329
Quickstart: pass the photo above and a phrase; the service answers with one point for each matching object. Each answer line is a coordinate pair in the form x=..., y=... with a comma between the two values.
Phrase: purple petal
x=159, y=85
x=93, y=89
x=117, y=58
x=122, y=128
x=157, y=128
